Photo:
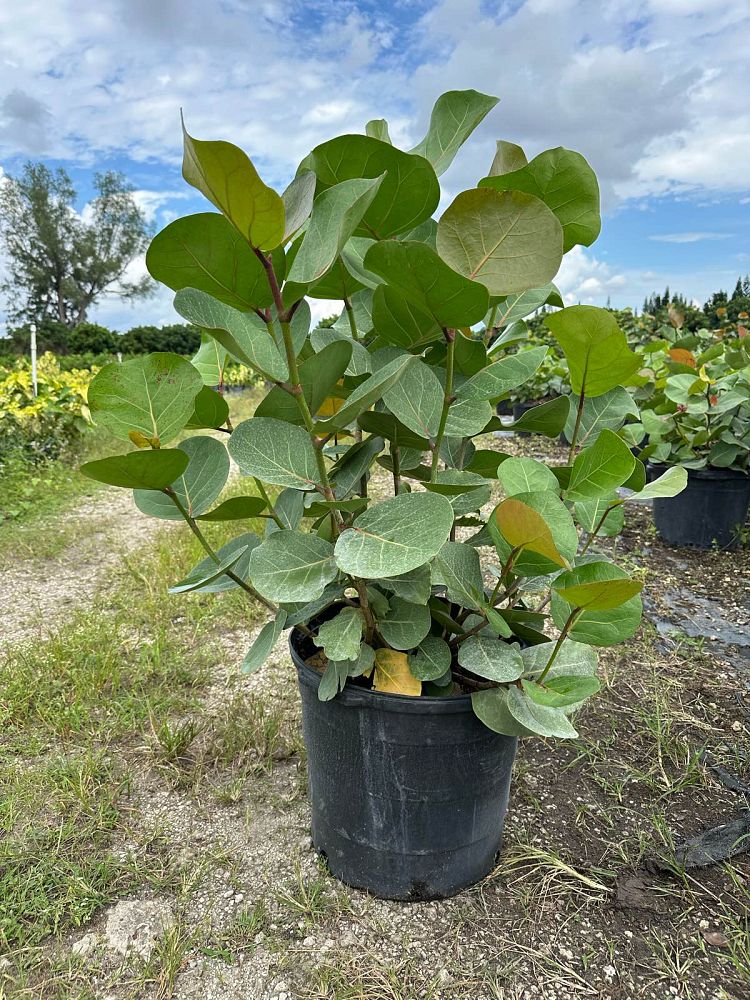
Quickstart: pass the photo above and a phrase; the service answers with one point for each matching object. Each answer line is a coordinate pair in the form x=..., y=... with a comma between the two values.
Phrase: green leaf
x=496, y=622
x=149, y=470
x=210, y=411
x=367, y=393
x=224, y=174
x=400, y=322
x=413, y=586
x=596, y=348
x=508, y=157
x=333, y=680
x=241, y=546
x=289, y=508
x=154, y=395
x=336, y=213
x=360, y=362
x=456, y=567
x=202, y=574
x=537, y=718
x=606, y=411
x=573, y=658
x=454, y=117
x=363, y=663
x=243, y=335
x=601, y=595
x=353, y=465
x=292, y=566
x=416, y=399
x=525, y=475
x=566, y=183
x=387, y=426
x=409, y=192
x=377, y=128
x=466, y=491
x=205, y=251
x=318, y=376
x=491, y=708
x=340, y=636
x=590, y=512
x=395, y=536
x=509, y=242
x=600, y=468
x=210, y=360
x=235, y=509
x=668, y=484
x=431, y=660
x=406, y=624
x=490, y=658
x=547, y=418
x=597, y=628
x=416, y=271
x=518, y=306
x=198, y=486
x=264, y=642
x=561, y=691
x=502, y=376
x=467, y=417
x=275, y=452
x=298, y=202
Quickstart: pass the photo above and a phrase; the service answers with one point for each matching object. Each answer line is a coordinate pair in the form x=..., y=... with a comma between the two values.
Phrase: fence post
x=34, y=383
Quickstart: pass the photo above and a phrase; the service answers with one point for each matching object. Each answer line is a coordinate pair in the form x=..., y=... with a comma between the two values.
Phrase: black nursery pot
x=408, y=795
x=710, y=511
x=518, y=411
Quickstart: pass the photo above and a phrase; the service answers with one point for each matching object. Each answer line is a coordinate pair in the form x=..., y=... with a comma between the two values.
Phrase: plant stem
x=598, y=527
x=396, y=459
x=350, y=317
x=558, y=645
x=212, y=554
x=264, y=495
x=576, y=429
x=450, y=336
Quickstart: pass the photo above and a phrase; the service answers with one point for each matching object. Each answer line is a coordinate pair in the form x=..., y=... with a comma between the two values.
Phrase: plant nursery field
x=153, y=798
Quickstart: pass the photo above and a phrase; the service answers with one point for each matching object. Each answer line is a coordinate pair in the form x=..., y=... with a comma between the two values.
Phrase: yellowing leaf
x=392, y=674
x=523, y=528
x=331, y=404
x=139, y=439
x=705, y=376
x=682, y=356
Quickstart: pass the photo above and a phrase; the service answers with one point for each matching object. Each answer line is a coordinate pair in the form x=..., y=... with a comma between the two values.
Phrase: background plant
x=402, y=383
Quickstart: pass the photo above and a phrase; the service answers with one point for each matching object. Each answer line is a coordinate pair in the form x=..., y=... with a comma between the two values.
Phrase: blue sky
x=652, y=92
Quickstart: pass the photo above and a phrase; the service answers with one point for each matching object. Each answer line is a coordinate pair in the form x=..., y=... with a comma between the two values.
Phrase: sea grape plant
x=363, y=456
x=695, y=400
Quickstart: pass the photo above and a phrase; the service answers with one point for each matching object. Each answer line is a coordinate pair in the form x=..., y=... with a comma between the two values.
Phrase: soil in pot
x=710, y=512
x=408, y=795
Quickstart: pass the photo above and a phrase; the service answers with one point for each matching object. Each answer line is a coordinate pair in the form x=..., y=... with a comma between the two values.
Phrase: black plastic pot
x=711, y=510
x=408, y=795
x=504, y=408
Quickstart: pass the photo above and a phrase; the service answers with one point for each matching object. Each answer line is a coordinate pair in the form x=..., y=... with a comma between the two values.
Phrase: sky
x=652, y=92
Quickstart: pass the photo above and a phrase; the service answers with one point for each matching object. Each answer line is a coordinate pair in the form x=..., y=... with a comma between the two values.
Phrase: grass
x=76, y=712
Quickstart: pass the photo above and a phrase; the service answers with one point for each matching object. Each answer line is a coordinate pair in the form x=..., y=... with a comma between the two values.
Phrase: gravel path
x=36, y=594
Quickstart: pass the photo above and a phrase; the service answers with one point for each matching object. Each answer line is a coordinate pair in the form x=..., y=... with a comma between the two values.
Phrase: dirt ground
x=588, y=898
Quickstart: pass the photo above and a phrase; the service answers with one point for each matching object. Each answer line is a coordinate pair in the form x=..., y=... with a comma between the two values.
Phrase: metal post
x=34, y=383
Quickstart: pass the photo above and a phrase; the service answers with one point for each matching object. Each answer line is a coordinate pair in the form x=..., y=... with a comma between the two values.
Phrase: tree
x=59, y=262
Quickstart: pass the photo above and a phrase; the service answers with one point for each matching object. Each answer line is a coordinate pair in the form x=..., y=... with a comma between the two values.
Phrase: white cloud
x=688, y=237
x=583, y=278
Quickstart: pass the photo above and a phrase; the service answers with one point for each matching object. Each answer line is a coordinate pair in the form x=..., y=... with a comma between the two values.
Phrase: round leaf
x=431, y=660
x=205, y=251
x=292, y=566
x=275, y=452
x=490, y=658
x=597, y=628
x=154, y=394
x=405, y=625
x=510, y=242
x=395, y=536
x=198, y=486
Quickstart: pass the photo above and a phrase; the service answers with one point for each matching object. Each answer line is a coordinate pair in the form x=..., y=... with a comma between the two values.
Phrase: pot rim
x=710, y=472
x=383, y=701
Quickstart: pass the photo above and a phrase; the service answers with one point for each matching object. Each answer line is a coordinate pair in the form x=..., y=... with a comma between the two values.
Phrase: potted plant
x=431, y=626
x=697, y=414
